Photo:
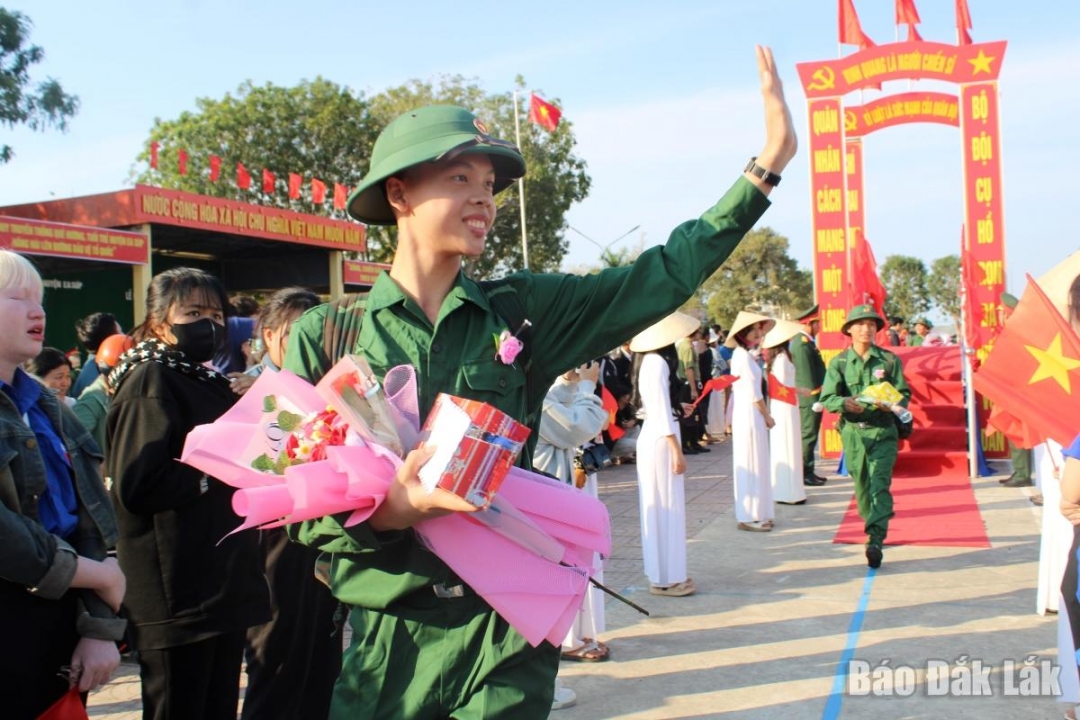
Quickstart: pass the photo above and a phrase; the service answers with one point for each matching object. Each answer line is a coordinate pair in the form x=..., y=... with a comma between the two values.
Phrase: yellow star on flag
x=981, y=63
x=1053, y=364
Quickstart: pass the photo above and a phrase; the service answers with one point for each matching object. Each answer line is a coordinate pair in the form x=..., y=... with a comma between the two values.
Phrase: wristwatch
x=767, y=177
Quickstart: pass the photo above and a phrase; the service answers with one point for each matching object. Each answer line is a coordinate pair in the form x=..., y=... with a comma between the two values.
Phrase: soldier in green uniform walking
x=868, y=431
x=424, y=644
x=809, y=374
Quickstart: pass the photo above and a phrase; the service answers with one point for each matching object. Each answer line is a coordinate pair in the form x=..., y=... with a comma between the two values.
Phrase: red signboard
x=363, y=273
x=900, y=109
x=902, y=61
x=36, y=237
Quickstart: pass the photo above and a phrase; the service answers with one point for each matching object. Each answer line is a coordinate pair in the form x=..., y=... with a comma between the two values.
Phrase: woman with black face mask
x=190, y=597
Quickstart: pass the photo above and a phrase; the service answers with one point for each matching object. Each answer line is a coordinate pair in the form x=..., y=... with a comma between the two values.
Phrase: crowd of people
x=115, y=543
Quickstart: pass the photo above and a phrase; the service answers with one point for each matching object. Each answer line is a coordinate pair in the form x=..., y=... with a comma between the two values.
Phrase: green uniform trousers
x=427, y=657
x=811, y=427
x=1021, y=461
x=870, y=454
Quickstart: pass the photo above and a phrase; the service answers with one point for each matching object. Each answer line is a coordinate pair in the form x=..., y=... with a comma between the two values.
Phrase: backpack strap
x=341, y=325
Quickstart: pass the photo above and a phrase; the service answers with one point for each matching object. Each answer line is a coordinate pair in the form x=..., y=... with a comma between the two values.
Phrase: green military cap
x=862, y=312
x=808, y=315
x=1008, y=300
x=428, y=134
x=924, y=321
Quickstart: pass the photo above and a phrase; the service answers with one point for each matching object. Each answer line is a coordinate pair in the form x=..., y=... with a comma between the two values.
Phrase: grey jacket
x=31, y=556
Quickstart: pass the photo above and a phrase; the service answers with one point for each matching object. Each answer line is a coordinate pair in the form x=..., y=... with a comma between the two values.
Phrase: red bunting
x=243, y=177
x=963, y=23
x=544, y=113
x=906, y=13
x=181, y=161
x=318, y=191
x=295, y=181
x=341, y=196
x=215, y=168
x=68, y=707
x=851, y=32
x=269, y=180
x=153, y=154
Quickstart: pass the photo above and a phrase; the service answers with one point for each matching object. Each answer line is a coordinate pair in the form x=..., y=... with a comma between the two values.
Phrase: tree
x=323, y=130
x=758, y=276
x=46, y=105
x=943, y=286
x=904, y=279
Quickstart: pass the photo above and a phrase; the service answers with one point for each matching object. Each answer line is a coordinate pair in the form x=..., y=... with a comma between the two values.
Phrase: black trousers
x=198, y=680
x=37, y=638
x=693, y=427
x=294, y=660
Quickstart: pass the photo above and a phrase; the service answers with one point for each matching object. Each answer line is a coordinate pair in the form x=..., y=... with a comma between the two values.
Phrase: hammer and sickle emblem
x=823, y=79
x=851, y=123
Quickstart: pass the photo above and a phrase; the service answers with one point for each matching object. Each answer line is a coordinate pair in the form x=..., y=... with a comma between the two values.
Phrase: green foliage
x=323, y=130
x=760, y=276
x=943, y=286
x=904, y=279
x=46, y=104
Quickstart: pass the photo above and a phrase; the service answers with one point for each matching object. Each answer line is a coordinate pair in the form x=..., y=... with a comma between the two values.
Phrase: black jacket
x=183, y=586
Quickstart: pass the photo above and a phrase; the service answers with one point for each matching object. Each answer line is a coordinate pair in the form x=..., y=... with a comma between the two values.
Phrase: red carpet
x=932, y=495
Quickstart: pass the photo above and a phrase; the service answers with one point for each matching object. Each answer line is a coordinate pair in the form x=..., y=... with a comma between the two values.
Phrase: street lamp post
x=603, y=248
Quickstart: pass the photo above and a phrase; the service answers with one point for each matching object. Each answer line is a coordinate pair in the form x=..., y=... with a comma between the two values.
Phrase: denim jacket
x=31, y=556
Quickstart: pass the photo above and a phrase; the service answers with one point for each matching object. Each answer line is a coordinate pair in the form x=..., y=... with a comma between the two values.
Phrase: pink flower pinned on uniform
x=880, y=373
x=508, y=346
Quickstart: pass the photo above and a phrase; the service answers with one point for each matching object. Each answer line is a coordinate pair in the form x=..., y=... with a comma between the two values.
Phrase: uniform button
x=31, y=443
x=502, y=382
x=436, y=348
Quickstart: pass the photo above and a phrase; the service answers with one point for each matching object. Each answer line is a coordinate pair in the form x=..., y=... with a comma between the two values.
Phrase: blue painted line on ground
x=836, y=697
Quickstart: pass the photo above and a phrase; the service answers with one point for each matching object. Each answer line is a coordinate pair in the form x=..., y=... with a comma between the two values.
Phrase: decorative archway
x=836, y=172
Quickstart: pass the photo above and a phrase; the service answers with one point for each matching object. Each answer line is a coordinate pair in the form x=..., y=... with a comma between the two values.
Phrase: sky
x=663, y=99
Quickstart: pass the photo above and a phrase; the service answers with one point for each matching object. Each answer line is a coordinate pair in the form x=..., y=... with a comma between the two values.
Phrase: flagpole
x=521, y=186
x=969, y=376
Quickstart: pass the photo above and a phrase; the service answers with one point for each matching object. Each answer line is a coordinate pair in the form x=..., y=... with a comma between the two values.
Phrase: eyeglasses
x=469, y=144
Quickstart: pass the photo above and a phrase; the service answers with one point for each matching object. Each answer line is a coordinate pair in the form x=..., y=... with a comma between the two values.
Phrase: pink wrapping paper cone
x=261, y=506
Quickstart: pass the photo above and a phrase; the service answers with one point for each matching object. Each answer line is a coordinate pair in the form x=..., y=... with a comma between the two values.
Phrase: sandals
x=765, y=526
x=591, y=651
x=681, y=589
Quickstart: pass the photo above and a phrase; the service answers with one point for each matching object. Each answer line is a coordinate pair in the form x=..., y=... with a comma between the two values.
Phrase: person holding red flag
x=868, y=431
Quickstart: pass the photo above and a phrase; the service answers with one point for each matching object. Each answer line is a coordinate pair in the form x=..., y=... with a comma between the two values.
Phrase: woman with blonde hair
x=750, y=424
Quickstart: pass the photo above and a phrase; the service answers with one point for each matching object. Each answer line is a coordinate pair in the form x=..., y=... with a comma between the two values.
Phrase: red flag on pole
x=865, y=281
x=268, y=182
x=716, y=385
x=851, y=32
x=295, y=181
x=963, y=24
x=612, y=406
x=781, y=392
x=341, y=196
x=318, y=191
x=181, y=161
x=215, y=168
x=153, y=154
x=243, y=177
x=543, y=113
x=906, y=13
x=1033, y=371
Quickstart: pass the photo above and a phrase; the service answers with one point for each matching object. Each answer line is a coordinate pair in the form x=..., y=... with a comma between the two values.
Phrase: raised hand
x=780, y=140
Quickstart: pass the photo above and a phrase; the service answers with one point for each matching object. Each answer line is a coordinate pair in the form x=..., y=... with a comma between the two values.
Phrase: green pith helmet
x=424, y=135
x=862, y=312
x=923, y=321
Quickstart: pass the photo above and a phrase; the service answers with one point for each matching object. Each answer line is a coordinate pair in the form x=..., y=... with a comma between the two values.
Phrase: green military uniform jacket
x=574, y=319
x=859, y=374
x=809, y=367
x=915, y=340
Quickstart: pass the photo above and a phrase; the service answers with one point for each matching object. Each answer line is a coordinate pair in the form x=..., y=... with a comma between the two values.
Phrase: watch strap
x=767, y=177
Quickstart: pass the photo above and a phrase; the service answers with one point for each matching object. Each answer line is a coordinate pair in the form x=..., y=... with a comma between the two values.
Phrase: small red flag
x=68, y=707
x=781, y=392
x=341, y=196
x=851, y=32
x=544, y=113
x=913, y=34
x=612, y=406
x=243, y=177
x=268, y=182
x=716, y=385
x=153, y=154
x=963, y=24
x=318, y=191
x=295, y=181
x=906, y=13
x=215, y=168
x=181, y=161
x=1033, y=371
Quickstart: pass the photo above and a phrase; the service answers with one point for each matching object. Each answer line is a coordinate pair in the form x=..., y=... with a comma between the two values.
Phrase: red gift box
x=476, y=445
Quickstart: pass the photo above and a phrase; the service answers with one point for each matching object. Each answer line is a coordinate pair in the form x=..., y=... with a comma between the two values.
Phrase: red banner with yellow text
x=901, y=109
x=362, y=273
x=37, y=237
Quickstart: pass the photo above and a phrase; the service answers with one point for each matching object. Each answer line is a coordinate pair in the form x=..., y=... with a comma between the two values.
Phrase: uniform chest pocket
x=497, y=384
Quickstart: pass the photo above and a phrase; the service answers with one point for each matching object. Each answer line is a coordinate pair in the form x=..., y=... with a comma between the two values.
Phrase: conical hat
x=1058, y=280
x=744, y=320
x=674, y=327
x=783, y=331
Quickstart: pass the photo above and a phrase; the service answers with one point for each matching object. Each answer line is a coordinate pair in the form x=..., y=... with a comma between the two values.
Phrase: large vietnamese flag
x=1033, y=371
x=781, y=392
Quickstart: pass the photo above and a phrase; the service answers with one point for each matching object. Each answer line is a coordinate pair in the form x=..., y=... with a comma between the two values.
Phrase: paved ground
x=776, y=614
